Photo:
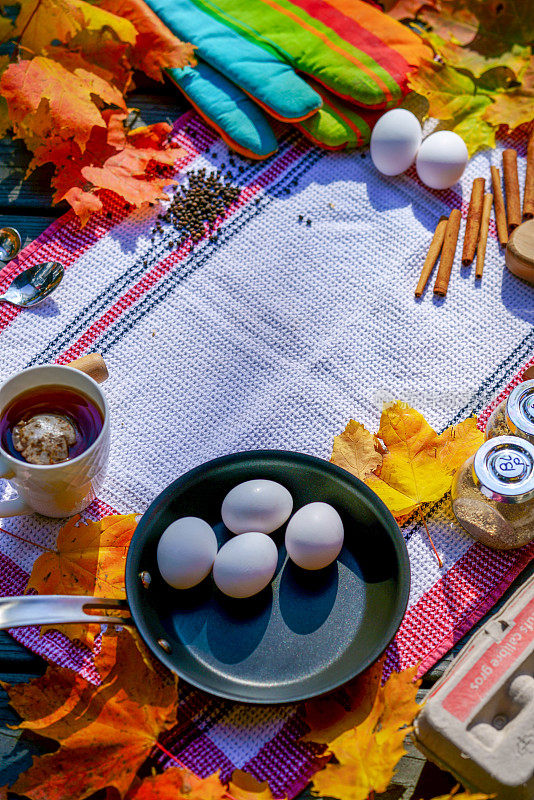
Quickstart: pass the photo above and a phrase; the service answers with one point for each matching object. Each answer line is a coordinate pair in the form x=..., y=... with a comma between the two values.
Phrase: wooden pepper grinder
x=519, y=255
x=93, y=365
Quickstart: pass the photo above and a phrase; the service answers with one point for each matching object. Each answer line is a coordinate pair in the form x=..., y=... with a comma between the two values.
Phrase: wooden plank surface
x=27, y=206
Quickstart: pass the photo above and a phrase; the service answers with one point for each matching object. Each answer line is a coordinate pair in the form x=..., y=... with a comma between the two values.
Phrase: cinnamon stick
x=528, y=196
x=511, y=185
x=472, y=226
x=447, y=254
x=500, y=211
x=483, y=238
x=432, y=256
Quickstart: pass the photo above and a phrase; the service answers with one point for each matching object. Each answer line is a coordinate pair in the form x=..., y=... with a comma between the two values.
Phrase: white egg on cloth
x=256, y=505
x=245, y=565
x=186, y=552
x=395, y=141
x=441, y=160
x=314, y=536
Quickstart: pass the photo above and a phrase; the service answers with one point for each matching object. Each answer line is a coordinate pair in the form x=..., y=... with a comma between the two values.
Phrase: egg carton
x=478, y=720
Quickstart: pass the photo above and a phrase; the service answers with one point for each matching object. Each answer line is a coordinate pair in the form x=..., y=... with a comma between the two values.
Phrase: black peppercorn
x=197, y=206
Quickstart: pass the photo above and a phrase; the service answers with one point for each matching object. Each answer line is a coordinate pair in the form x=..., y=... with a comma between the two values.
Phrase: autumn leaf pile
x=67, y=67
x=483, y=74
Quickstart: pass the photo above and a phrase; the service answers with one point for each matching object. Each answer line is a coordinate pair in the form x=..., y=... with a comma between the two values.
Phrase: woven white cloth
x=274, y=336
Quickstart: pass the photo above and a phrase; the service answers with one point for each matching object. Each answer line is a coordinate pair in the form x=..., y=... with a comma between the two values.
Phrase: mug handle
x=16, y=507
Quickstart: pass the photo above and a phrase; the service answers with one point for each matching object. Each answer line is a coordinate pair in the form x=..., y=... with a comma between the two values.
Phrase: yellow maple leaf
x=458, y=443
x=455, y=55
x=357, y=451
x=513, y=107
x=367, y=755
x=455, y=98
x=329, y=716
x=40, y=22
x=419, y=464
x=245, y=787
x=89, y=559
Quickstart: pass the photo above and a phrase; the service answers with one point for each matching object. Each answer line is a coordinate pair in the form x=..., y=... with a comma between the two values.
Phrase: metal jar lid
x=503, y=469
x=520, y=409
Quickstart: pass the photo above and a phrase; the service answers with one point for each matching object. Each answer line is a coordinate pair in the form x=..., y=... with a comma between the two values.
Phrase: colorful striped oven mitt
x=252, y=54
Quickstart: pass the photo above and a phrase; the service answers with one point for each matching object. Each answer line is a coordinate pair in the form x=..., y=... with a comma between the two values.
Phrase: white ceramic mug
x=55, y=490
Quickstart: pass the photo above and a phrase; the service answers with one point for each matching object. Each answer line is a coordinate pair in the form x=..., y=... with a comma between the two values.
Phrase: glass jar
x=493, y=493
x=515, y=415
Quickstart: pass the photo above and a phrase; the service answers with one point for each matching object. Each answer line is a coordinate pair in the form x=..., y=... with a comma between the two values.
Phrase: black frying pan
x=306, y=634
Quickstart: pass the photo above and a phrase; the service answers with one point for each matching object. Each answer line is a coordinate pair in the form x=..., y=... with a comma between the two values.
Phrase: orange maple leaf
x=82, y=203
x=244, y=786
x=113, y=159
x=366, y=756
x=123, y=173
x=104, y=51
x=105, y=732
x=43, y=95
x=72, y=60
x=89, y=559
x=178, y=784
x=5, y=122
x=49, y=704
x=156, y=48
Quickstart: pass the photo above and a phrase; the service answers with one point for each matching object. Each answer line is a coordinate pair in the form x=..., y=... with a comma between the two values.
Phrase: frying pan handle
x=58, y=609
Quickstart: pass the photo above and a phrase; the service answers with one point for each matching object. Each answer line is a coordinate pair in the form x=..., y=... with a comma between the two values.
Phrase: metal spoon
x=34, y=284
x=10, y=243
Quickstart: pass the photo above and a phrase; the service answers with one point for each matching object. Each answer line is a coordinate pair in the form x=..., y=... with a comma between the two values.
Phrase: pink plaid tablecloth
x=274, y=334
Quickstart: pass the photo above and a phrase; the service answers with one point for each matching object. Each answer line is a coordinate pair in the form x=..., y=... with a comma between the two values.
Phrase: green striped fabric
x=323, y=65
x=309, y=46
x=337, y=125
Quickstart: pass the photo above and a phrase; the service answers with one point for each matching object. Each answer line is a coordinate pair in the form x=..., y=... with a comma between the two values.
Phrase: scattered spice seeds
x=198, y=205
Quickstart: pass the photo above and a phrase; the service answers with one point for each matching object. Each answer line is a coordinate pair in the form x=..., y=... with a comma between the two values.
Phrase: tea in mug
x=49, y=425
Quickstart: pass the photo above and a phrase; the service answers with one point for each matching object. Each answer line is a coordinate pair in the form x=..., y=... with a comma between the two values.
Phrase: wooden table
x=27, y=206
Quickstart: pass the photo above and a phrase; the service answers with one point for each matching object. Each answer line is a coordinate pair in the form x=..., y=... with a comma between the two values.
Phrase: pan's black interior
x=306, y=633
